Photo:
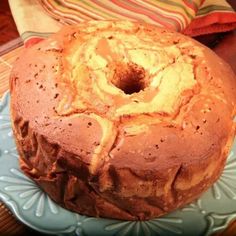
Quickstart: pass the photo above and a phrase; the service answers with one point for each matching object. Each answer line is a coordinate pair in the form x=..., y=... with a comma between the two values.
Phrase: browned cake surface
x=122, y=120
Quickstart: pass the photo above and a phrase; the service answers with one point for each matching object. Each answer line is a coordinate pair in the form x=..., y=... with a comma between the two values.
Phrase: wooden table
x=10, y=47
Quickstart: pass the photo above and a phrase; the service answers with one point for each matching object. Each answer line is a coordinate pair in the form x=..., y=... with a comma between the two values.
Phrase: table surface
x=11, y=46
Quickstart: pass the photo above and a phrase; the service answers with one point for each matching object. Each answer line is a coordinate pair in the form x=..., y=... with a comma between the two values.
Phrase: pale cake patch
x=166, y=67
x=109, y=134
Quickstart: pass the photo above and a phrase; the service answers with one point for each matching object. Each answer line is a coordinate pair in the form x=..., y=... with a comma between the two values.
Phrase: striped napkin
x=36, y=19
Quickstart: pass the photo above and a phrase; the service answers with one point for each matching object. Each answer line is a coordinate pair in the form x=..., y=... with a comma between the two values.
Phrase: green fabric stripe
x=61, y=4
x=97, y=9
x=194, y=3
x=177, y=5
x=210, y=8
x=28, y=34
x=162, y=17
x=58, y=2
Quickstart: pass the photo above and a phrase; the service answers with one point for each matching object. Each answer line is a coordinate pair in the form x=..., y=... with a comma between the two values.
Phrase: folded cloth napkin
x=36, y=19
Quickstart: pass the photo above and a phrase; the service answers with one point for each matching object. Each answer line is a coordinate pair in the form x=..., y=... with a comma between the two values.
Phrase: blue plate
x=211, y=213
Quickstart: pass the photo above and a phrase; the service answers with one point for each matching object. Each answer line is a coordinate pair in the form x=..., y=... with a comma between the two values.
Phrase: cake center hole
x=130, y=78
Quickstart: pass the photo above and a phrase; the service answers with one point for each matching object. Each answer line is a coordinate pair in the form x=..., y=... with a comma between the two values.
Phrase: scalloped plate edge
x=14, y=209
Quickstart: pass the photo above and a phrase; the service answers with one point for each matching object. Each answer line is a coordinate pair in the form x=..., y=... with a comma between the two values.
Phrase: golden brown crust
x=122, y=120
